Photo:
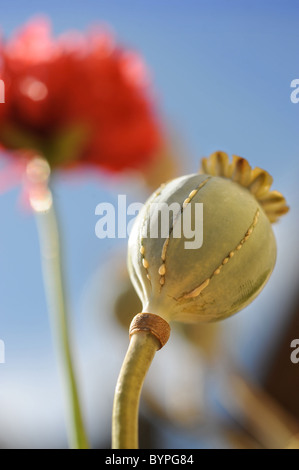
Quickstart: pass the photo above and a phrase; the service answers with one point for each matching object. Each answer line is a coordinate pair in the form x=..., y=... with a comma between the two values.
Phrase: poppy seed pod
x=229, y=209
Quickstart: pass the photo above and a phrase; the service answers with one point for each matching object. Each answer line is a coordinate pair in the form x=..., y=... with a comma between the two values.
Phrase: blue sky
x=221, y=72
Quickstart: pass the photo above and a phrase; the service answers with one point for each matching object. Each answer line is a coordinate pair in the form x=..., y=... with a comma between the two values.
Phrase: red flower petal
x=79, y=98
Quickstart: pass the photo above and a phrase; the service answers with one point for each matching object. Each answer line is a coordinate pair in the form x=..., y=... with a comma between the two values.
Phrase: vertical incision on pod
x=195, y=292
x=145, y=262
x=192, y=194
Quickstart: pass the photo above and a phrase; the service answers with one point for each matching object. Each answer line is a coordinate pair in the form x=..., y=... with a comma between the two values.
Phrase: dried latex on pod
x=238, y=250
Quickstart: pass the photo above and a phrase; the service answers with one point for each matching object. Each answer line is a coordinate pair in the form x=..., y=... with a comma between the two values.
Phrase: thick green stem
x=52, y=273
x=141, y=351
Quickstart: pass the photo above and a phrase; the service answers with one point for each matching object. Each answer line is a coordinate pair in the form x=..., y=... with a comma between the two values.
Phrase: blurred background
x=221, y=73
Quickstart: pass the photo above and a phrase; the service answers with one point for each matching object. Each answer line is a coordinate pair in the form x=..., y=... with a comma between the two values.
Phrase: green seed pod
x=180, y=282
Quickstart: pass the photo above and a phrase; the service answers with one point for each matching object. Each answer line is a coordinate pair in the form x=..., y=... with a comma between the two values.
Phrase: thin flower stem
x=52, y=274
x=141, y=351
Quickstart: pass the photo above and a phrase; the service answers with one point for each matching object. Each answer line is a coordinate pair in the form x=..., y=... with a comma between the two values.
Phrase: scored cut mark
x=192, y=194
x=145, y=262
x=195, y=292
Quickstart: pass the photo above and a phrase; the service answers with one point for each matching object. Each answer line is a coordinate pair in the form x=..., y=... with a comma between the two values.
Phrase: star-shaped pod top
x=257, y=181
x=202, y=248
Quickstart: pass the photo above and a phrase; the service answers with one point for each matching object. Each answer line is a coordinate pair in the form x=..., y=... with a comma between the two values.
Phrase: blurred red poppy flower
x=77, y=100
